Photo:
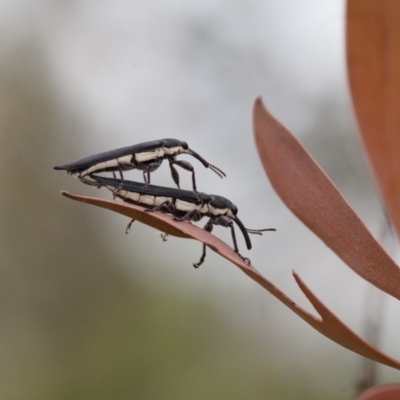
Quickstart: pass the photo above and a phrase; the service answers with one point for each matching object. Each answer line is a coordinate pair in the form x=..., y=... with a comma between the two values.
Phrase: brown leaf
x=385, y=392
x=330, y=325
x=373, y=61
x=315, y=200
x=155, y=220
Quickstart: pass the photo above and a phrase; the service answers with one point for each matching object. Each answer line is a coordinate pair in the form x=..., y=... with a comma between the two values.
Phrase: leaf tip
x=298, y=280
x=258, y=103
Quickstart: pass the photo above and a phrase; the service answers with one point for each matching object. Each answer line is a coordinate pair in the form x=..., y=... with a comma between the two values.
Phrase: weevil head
x=175, y=147
x=184, y=146
x=219, y=205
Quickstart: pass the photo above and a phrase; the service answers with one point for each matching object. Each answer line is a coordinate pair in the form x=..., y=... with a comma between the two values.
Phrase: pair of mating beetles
x=182, y=204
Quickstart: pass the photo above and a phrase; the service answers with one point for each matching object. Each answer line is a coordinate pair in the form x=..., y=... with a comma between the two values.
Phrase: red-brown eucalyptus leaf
x=385, y=392
x=373, y=61
x=329, y=325
x=155, y=220
x=315, y=200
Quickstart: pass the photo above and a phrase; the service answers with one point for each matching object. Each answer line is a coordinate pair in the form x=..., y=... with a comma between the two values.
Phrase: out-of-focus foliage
x=78, y=319
x=74, y=324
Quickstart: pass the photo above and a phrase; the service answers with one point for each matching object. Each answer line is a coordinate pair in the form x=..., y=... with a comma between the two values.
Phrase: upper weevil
x=146, y=156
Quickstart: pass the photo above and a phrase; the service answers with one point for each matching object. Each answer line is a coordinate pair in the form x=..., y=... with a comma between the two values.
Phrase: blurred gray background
x=89, y=312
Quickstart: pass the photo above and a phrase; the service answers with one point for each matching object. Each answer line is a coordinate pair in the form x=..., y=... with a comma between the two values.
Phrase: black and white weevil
x=146, y=156
x=184, y=206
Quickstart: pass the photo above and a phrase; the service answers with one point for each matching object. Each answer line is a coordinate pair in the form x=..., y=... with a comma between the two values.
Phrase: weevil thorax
x=184, y=149
x=219, y=205
x=167, y=148
x=173, y=147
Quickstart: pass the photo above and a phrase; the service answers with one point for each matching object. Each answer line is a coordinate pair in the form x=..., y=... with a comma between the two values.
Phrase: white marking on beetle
x=174, y=150
x=160, y=199
x=107, y=164
x=186, y=206
x=94, y=168
x=149, y=155
x=146, y=199
x=127, y=195
x=217, y=211
x=204, y=209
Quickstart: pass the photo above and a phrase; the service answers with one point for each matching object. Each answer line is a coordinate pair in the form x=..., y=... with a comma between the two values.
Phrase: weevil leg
x=174, y=173
x=121, y=175
x=188, y=167
x=147, y=169
x=192, y=215
x=164, y=237
x=123, y=166
x=129, y=226
x=202, y=258
x=228, y=223
x=207, y=227
x=167, y=205
x=116, y=190
x=146, y=179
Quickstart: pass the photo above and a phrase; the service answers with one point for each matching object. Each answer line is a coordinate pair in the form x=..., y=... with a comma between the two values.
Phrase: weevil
x=184, y=206
x=147, y=156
